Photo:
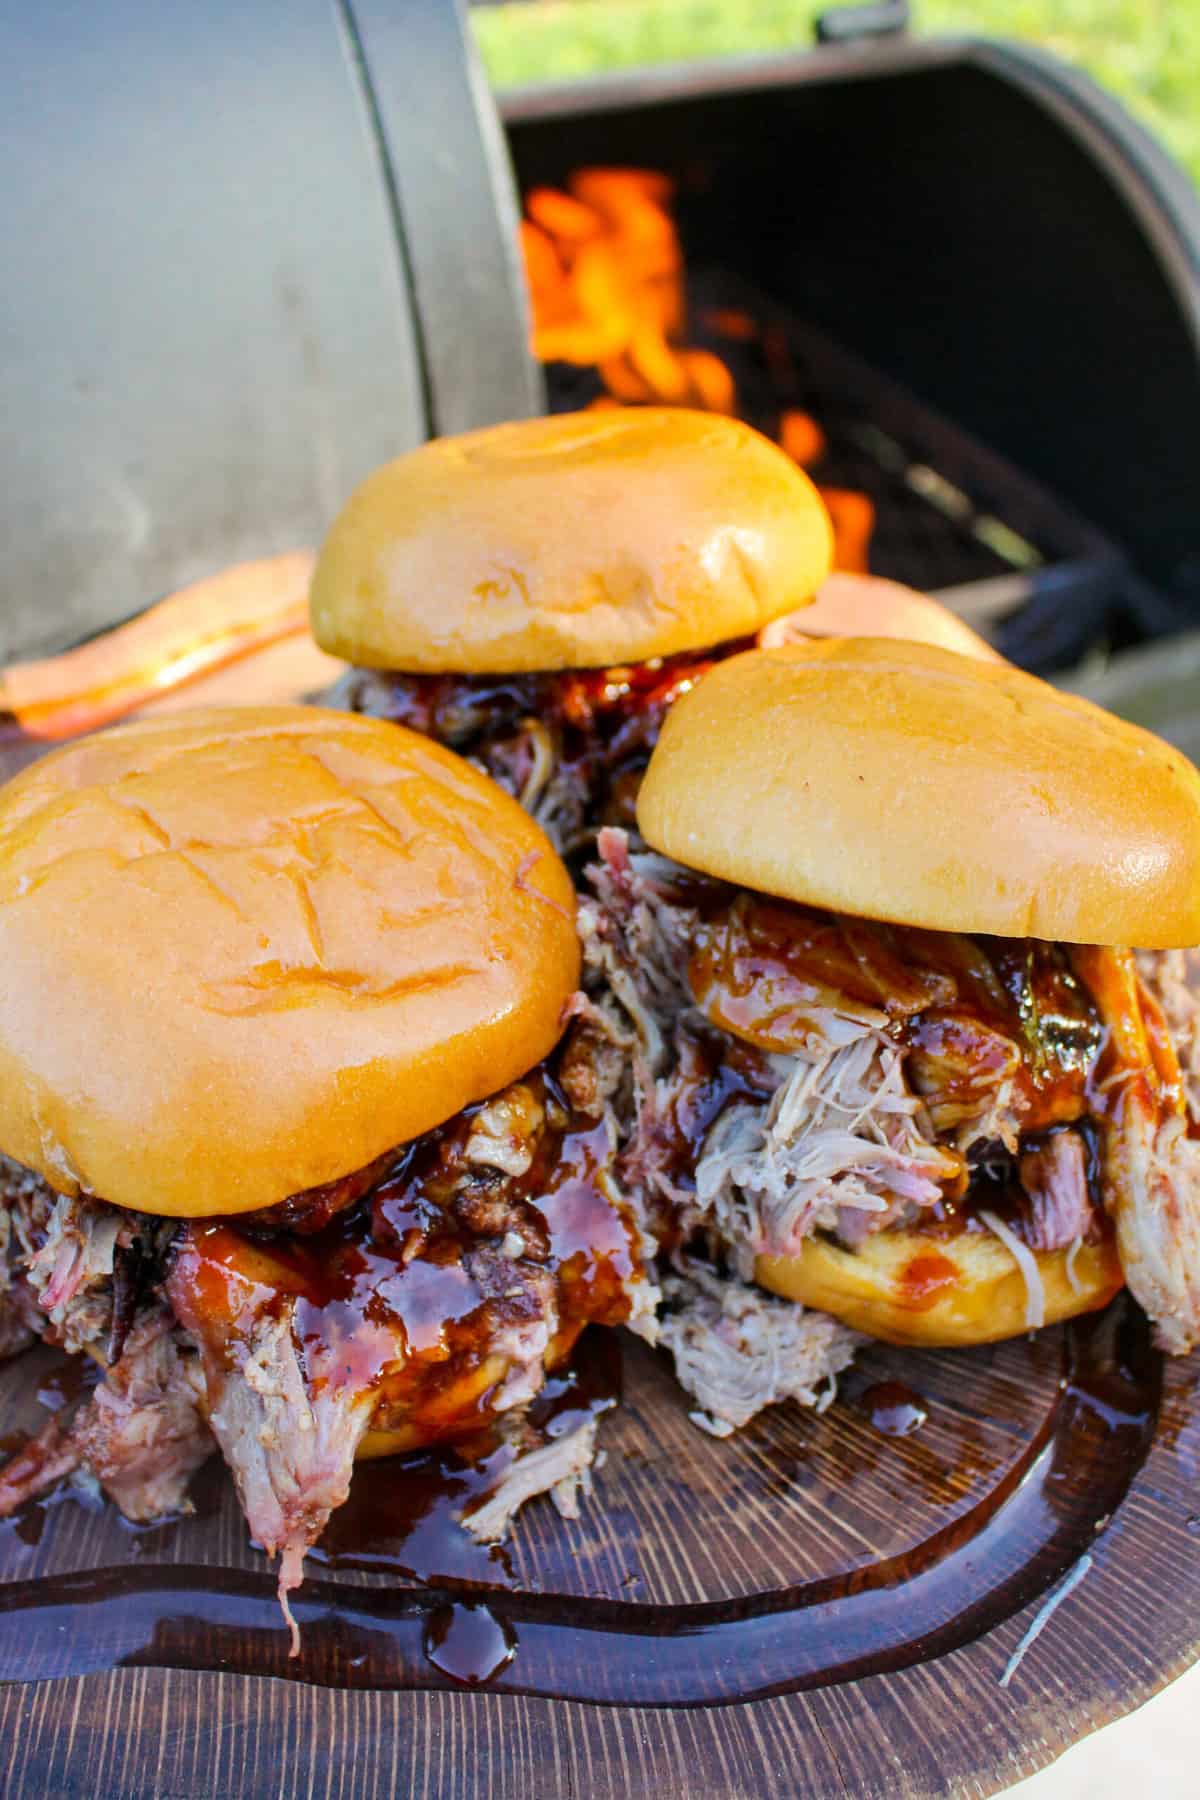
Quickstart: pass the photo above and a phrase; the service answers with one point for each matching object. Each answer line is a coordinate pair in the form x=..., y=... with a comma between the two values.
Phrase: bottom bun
x=908, y=1287
x=462, y=1406
x=376, y=1444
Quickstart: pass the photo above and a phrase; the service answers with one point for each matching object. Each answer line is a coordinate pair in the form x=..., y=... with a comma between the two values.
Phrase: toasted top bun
x=910, y=1289
x=868, y=606
x=571, y=542
x=902, y=782
x=244, y=953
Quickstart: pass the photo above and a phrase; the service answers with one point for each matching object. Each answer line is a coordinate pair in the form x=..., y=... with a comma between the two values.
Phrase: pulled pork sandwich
x=290, y=1145
x=536, y=595
x=890, y=1057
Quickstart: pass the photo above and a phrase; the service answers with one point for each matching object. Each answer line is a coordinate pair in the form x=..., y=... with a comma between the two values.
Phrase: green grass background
x=1145, y=51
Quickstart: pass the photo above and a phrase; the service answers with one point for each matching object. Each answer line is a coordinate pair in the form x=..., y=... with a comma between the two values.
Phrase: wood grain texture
x=941, y=1727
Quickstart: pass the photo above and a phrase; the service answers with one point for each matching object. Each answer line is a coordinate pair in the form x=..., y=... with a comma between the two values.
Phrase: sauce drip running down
x=427, y=1293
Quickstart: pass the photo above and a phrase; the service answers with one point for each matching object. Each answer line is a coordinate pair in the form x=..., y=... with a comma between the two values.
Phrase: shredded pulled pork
x=86, y=1265
x=772, y=1098
x=18, y=1304
x=1053, y=1176
x=38, y=1466
x=839, y=1147
x=797, y=1072
x=425, y=1298
x=1151, y=1162
x=289, y=1445
x=1173, y=979
x=1153, y=1172
x=738, y=1349
x=141, y=1434
x=569, y=745
x=560, y=1467
x=433, y=1307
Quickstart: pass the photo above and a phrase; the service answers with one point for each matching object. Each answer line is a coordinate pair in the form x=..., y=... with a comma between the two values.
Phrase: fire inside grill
x=605, y=270
x=622, y=315
x=621, y=318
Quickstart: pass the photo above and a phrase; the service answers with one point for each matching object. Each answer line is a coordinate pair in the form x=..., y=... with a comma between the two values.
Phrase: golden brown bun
x=909, y=1288
x=243, y=953
x=898, y=781
x=868, y=606
x=572, y=542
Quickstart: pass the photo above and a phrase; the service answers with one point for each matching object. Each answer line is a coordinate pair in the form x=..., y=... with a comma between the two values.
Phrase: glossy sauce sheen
x=969, y=1012
x=403, y=1514
x=392, y=1298
x=1023, y=1531
x=763, y=967
x=894, y=1409
x=599, y=724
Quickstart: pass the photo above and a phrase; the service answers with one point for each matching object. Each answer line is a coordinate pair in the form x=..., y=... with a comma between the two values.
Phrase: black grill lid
x=239, y=273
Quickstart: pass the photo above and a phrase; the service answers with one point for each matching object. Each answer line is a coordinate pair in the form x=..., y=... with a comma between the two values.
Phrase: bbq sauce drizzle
x=960, y=1006
x=390, y=1296
x=595, y=727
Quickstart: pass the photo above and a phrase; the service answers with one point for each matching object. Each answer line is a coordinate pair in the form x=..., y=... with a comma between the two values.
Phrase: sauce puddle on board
x=468, y=1643
x=403, y=1514
x=893, y=1408
x=433, y=1622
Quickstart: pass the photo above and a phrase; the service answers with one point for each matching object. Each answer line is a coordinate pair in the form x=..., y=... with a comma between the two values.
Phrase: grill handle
x=853, y=24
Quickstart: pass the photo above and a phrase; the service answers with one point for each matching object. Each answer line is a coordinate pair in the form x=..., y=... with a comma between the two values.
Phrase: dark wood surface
x=683, y=1516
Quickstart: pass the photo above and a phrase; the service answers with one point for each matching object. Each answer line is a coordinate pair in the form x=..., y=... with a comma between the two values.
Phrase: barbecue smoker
x=279, y=244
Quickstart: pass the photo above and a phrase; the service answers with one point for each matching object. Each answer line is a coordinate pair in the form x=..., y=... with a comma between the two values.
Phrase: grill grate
x=951, y=518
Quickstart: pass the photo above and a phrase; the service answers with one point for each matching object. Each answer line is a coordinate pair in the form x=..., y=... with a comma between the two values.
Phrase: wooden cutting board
x=813, y=1607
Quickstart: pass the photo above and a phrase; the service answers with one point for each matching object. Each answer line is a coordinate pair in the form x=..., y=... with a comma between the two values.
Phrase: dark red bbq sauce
x=762, y=967
x=411, y=1294
x=403, y=1515
x=1019, y=1533
x=970, y=1011
x=600, y=724
x=893, y=1408
x=469, y=1643
x=925, y=1278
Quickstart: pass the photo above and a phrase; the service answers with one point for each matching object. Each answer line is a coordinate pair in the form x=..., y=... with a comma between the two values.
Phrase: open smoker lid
x=251, y=253
x=973, y=218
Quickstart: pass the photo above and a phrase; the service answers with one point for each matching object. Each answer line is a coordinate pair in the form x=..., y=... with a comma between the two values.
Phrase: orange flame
x=606, y=283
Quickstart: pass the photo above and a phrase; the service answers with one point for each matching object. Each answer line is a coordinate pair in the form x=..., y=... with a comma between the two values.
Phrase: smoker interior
x=975, y=316
x=950, y=517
